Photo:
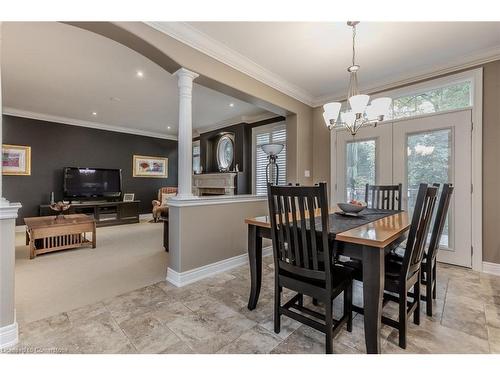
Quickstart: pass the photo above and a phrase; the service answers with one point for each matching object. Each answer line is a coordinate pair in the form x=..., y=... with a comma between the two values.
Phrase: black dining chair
x=303, y=260
x=401, y=277
x=386, y=197
x=404, y=274
x=429, y=262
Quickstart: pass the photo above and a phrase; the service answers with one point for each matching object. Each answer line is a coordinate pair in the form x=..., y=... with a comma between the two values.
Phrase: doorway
x=432, y=149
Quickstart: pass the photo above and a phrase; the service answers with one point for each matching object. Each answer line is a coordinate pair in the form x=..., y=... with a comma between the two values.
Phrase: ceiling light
x=231, y=104
x=140, y=73
x=361, y=113
x=168, y=127
x=94, y=113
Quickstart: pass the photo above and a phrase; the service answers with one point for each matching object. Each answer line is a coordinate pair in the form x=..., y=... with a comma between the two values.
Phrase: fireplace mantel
x=214, y=184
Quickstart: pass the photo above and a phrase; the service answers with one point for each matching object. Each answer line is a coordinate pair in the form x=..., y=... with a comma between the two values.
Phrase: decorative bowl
x=60, y=207
x=351, y=208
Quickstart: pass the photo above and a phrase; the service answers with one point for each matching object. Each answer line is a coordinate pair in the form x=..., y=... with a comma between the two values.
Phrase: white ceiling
x=56, y=71
x=308, y=60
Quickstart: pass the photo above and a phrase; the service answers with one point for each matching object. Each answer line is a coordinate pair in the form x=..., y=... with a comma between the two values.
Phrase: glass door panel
x=365, y=158
x=360, y=168
x=429, y=160
x=437, y=149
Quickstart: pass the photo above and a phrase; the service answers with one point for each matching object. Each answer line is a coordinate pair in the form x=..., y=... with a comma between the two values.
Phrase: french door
x=430, y=149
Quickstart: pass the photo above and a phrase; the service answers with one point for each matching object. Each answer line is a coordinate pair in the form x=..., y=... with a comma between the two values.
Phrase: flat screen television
x=80, y=183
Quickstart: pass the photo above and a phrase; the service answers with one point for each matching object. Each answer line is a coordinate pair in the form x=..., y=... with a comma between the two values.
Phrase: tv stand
x=104, y=213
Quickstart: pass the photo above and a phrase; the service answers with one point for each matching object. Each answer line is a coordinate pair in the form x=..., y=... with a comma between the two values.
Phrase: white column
x=185, y=137
x=8, y=215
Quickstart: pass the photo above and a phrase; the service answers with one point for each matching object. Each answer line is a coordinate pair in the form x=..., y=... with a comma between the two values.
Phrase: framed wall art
x=150, y=166
x=16, y=160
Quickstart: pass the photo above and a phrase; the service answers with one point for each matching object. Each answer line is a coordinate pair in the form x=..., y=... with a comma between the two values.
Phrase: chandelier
x=360, y=113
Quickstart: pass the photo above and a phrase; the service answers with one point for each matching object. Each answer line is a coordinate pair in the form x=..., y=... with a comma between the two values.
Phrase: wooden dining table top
x=378, y=233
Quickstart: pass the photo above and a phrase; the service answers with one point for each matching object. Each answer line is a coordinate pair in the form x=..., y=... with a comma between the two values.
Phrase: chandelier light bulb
x=381, y=106
x=332, y=110
x=358, y=103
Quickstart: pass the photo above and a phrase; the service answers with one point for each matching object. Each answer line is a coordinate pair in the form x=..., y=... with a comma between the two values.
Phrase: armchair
x=160, y=206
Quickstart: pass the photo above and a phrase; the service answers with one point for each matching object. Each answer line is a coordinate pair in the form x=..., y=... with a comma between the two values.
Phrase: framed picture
x=150, y=166
x=128, y=197
x=16, y=160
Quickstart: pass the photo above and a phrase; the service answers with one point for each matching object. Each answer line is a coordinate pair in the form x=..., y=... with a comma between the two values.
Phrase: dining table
x=367, y=238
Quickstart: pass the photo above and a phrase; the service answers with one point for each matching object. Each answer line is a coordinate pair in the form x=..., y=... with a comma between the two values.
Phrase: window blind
x=273, y=135
x=196, y=157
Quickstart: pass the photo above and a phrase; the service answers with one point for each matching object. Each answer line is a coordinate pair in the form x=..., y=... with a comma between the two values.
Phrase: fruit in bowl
x=354, y=206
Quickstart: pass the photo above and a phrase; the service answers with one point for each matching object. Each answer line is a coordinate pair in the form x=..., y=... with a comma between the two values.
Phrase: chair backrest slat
x=312, y=232
x=440, y=220
x=419, y=229
x=300, y=242
x=295, y=233
x=303, y=233
x=386, y=197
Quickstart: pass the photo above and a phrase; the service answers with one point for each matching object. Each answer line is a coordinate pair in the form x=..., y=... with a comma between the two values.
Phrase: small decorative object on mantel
x=16, y=160
x=225, y=152
x=272, y=170
x=150, y=166
x=128, y=197
x=60, y=207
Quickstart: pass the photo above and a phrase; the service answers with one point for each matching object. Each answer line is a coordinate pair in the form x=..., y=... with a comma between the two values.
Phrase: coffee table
x=52, y=233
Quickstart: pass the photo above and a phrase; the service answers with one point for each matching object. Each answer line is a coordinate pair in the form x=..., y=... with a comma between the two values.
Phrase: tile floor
x=211, y=316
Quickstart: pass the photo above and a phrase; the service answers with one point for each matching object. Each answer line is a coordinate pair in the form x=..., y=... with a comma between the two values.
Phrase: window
x=196, y=157
x=445, y=98
x=274, y=133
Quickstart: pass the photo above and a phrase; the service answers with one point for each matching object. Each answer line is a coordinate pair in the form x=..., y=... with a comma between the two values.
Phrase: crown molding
x=466, y=62
x=200, y=41
x=87, y=124
x=234, y=121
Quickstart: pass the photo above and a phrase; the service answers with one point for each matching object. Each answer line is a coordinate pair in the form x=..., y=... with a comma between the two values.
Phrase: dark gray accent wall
x=55, y=146
x=242, y=133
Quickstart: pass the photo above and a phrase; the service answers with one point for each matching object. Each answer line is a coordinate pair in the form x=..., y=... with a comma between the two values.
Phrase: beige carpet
x=127, y=257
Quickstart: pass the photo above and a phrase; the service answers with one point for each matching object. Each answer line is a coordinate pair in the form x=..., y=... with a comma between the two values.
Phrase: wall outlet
x=307, y=173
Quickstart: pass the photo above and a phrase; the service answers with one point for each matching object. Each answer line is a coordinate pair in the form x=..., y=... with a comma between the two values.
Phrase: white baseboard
x=9, y=336
x=493, y=268
x=181, y=279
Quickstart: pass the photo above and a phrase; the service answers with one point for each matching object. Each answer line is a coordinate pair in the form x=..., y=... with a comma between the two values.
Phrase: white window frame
x=475, y=76
x=258, y=130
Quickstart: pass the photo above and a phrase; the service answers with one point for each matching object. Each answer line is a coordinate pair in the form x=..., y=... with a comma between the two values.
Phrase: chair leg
x=315, y=302
x=416, y=299
x=329, y=326
x=348, y=306
x=434, y=266
x=277, y=305
x=429, y=291
x=301, y=300
x=403, y=318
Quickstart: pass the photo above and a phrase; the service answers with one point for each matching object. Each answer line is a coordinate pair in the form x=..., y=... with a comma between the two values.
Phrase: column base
x=9, y=336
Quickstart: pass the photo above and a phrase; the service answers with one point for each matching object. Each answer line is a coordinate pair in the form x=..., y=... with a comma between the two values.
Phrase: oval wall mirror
x=225, y=153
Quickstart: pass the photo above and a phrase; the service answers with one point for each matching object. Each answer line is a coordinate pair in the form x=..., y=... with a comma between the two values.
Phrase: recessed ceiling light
x=94, y=113
x=231, y=104
x=114, y=99
x=168, y=127
x=140, y=73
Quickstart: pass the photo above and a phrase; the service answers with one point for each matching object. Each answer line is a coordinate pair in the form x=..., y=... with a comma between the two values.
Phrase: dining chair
x=387, y=197
x=429, y=262
x=303, y=260
x=404, y=274
x=401, y=277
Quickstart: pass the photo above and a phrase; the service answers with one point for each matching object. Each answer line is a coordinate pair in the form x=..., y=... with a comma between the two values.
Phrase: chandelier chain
x=353, y=44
